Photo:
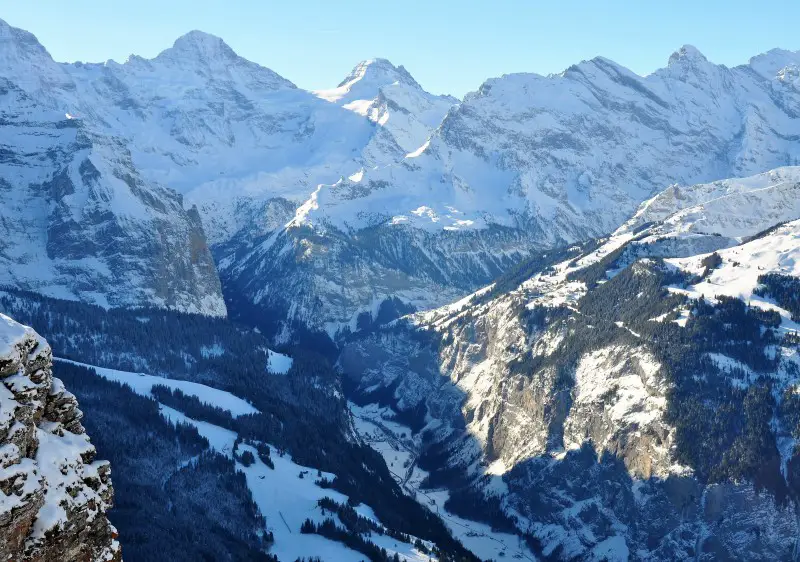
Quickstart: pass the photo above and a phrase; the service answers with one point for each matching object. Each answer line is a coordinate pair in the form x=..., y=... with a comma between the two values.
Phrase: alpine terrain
x=630, y=398
x=557, y=319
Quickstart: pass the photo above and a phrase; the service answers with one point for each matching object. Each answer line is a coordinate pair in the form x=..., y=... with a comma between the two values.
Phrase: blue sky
x=449, y=46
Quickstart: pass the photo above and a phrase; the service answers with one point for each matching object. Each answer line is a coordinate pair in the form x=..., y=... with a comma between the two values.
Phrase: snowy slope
x=733, y=208
x=278, y=363
x=738, y=273
x=142, y=384
x=524, y=163
x=549, y=393
x=283, y=497
x=390, y=97
x=288, y=500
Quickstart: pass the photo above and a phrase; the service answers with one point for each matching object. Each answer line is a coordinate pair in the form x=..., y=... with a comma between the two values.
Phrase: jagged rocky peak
x=54, y=494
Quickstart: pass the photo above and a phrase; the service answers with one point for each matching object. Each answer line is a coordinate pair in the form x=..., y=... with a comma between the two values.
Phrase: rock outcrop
x=54, y=494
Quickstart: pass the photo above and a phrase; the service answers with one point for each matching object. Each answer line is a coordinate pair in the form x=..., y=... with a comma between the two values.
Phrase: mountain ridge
x=570, y=394
x=525, y=162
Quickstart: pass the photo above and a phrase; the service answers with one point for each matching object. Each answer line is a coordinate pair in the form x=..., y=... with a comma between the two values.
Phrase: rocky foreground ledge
x=53, y=493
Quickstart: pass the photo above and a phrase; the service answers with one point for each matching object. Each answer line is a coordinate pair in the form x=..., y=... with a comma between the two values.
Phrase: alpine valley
x=558, y=319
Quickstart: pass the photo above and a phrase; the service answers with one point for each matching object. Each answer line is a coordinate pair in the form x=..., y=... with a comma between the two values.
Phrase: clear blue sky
x=449, y=46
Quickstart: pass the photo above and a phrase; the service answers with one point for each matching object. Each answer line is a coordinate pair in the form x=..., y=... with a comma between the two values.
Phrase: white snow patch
x=220, y=439
x=277, y=363
x=143, y=384
x=420, y=150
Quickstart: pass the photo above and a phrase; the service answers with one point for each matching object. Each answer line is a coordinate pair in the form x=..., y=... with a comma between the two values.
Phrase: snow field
x=283, y=497
x=143, y=384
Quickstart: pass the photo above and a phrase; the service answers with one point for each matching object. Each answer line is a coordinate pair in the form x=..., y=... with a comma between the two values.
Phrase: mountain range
x=426, y=197
x=556, y=319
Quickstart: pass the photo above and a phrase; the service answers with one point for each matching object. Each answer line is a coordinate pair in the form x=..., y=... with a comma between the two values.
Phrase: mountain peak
x=202, y=45
x=210, y=56
x=366, y=80
x=18, y=44
x=769, y=64
x=380, y=71
x=687, y=53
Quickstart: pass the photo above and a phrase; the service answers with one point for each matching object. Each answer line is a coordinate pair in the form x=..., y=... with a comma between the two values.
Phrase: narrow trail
x=284, y=521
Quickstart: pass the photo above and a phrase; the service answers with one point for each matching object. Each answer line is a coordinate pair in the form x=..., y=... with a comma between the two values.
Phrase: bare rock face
x=54, y=494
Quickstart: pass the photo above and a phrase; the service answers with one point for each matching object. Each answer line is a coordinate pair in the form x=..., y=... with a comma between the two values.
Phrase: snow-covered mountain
x=389, y=96
x=526, y=162
x=734, y=208
x=242, y=144
x=626, y=400
x=232, y=135
x=78, y=219
x=322, y=207
x=585, y=146
x=53, y=493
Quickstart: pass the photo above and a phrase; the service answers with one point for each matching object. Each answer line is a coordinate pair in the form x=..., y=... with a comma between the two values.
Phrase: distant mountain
x=79, y=219
x=527, y=162
x=98, y=147
x=389, y=96
x=626, y=400
x=573, y=154
x=322, y=207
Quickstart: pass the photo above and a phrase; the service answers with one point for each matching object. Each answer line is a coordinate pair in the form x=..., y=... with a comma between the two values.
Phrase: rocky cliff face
x=79, y=220
x=54, y=494
x=340, y=282
x=578, y=394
